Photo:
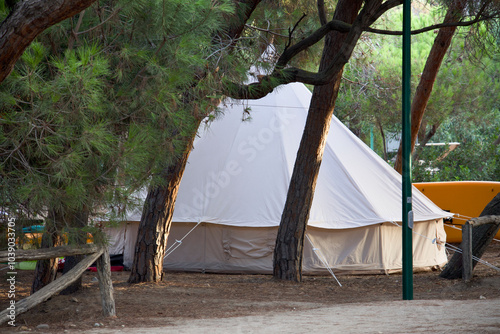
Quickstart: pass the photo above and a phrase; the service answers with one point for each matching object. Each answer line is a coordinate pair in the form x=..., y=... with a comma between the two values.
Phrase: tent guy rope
x=322, y=258
x=454, y=248
x=177, y=243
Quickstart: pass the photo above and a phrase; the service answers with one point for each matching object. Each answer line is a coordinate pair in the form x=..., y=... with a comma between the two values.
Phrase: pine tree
x=90, y=113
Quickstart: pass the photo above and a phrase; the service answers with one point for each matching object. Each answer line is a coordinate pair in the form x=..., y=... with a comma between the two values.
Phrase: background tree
x=466, y=83
x=475, y=159
x=455, y=12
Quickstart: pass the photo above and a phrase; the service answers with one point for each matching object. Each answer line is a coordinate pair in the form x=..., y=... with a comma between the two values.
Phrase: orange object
x=465, y=198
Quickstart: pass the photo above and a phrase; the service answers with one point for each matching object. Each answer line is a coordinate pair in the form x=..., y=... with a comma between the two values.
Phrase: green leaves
x=104, y=100
x=466, y=89
x=476, y=158
x=35, y=53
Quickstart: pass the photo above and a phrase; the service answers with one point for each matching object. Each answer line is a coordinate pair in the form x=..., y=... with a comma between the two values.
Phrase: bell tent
x=235, y=184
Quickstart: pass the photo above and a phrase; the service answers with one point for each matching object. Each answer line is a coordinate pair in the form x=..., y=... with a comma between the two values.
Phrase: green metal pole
x=407, y=198
x=372, y=144
x=406, y=158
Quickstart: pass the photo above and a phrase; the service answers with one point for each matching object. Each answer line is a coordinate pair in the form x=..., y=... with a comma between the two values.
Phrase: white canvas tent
x=235, y=185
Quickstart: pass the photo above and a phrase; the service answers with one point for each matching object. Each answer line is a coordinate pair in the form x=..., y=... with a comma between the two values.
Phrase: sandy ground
x=429, y=316
x=217, y=303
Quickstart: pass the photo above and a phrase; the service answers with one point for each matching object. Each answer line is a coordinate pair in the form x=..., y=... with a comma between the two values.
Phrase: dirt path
x=437, y=316
x=217, y=303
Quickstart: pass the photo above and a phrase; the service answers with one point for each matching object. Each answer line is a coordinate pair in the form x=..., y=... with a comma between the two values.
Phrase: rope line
x=322, y=258
x=475, y=258
x=460, y=229
x=177, y=243
x=454, y=248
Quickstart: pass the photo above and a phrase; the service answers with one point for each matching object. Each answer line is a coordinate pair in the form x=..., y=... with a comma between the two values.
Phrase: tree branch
x=283, y=75
x=116, y=11
x=28, y=19
x=322, y=12
x=290, y=31
x=312, y=39
x=265, y=30
x=371, y=11
x=477, y=19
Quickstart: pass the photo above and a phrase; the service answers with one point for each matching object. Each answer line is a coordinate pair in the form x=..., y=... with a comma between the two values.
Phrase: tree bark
x=431, y=69
x=46, y=270
x=106, y=284
x=159, y=206
x=382, y=134
x=497, y=141
x=481, y=238
x=28, y=19
x=155, y=224
x=288, y=252
x=78, y=221
x=236, y=22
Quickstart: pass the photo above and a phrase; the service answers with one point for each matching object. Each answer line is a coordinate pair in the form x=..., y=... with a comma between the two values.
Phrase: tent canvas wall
x=235, y=186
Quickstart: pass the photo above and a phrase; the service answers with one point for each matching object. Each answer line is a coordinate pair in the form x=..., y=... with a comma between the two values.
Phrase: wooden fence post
x=106, y=284
x=467, y=251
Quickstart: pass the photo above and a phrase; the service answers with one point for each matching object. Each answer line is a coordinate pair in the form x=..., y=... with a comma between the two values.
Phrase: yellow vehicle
x=465, y=198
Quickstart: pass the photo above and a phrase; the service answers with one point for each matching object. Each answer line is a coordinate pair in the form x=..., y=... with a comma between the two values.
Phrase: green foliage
x=466, y=89
x=476, y=158
x=97, y=106
x=370, y=96
x=279, y=23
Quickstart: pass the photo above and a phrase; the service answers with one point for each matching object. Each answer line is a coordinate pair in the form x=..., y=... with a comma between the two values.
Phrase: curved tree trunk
x=155, y=224
x=290, y=239
x=431, y=69
x=28, y=19
x=159, y=206
x=481, y=238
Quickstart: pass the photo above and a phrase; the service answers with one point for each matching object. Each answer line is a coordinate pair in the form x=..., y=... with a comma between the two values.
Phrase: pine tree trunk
x=78, y=221
x=481, y=238
x=156, y=220
x=46, y=270
x=290, y=239
x=431, y=69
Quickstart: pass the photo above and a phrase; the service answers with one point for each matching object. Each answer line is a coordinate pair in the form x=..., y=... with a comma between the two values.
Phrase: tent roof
x=239, y=171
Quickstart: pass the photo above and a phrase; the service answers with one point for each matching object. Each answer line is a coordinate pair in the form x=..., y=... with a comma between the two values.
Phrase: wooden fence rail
x=49, y=253
x=93, y=252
